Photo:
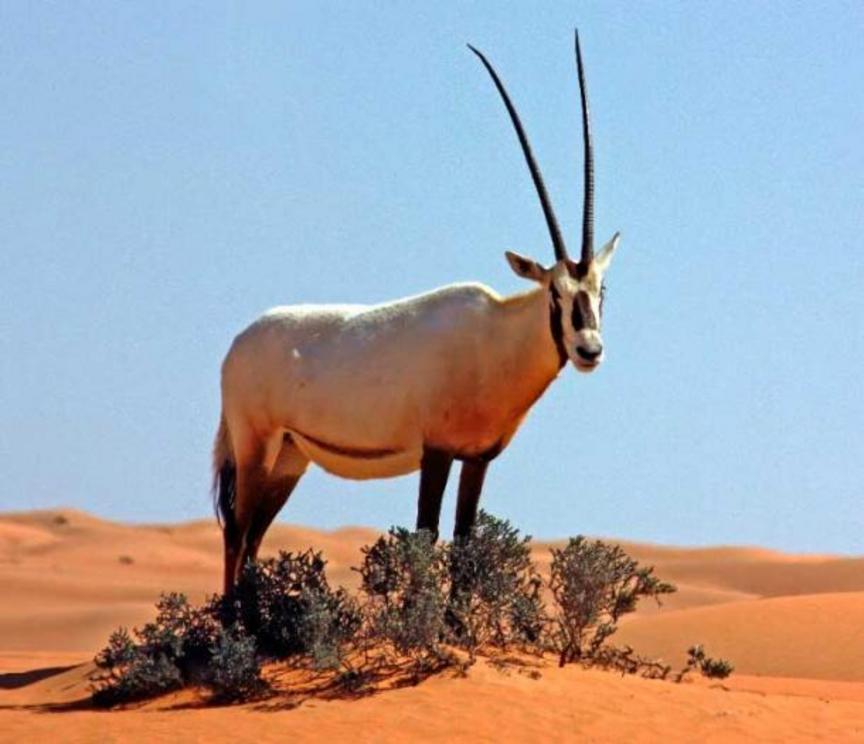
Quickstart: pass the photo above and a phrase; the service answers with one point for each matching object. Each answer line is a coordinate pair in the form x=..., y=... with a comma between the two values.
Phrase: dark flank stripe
x=359, y=453
x=556, y=325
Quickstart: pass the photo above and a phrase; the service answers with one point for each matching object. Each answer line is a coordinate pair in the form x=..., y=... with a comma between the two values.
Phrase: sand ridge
x=792, y=624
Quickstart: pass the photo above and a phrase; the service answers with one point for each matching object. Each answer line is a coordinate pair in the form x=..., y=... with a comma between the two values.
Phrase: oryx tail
x=224, y=477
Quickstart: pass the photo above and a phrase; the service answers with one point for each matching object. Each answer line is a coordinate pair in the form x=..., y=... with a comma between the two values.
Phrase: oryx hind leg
x=282, y=478
x=248, y=479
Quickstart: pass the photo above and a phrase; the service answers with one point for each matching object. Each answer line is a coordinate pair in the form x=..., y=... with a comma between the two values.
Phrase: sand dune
x=818, y=636
x=792, y=624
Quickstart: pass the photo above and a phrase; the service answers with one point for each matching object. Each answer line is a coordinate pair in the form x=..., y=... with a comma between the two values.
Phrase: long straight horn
x=588, y=146
x=551, y=222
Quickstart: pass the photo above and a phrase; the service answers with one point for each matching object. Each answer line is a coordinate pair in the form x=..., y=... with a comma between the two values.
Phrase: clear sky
x=170, y=170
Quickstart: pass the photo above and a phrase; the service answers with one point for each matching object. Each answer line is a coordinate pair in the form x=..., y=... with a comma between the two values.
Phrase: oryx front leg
x=470, y=486
x=434, y=471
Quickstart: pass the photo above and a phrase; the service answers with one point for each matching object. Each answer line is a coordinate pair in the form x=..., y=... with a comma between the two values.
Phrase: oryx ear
x=527, y=268
x=604, y=258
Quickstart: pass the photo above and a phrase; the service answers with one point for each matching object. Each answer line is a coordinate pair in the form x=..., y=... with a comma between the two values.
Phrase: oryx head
x=575, y=287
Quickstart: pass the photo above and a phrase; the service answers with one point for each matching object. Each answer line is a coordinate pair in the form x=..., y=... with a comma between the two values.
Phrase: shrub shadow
x=16, y=680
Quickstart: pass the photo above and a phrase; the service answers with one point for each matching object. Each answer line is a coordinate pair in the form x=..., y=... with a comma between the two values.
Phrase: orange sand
x=793, y=625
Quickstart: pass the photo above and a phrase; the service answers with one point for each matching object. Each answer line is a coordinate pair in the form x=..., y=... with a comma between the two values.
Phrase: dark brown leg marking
x=277, y=495
x=231, y=536
x=434, y=470
x=232, y=543
x=249, y=487
x=470, y=487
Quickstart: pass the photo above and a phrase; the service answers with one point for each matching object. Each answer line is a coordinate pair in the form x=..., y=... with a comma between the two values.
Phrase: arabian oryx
x=383, y=390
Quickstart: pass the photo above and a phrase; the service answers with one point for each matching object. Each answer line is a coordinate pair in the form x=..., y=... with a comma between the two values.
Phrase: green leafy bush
x=275, y=598
x=593, y=585
x=182, y=631
x=234, y=672
x=329, y=624
x=495, y=588
x=698, y=659
x=404, y=577
x=417, y=600
x=152, y=662
x=179, y=648
x=143, y=676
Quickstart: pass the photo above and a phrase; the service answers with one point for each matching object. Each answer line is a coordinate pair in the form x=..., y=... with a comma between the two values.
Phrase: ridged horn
x=588, y=146
x=551, y=222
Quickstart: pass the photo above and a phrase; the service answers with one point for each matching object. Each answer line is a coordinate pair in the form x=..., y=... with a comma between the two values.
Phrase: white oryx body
x=384, y=390
x=362, y=389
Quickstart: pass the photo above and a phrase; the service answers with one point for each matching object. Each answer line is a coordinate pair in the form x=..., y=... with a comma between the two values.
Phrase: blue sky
x=168, y=171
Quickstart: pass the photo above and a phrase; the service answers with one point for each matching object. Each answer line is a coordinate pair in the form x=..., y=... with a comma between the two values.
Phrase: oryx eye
x=602, y=297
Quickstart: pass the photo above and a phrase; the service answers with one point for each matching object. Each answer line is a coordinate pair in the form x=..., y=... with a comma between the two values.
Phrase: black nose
x=589, y=355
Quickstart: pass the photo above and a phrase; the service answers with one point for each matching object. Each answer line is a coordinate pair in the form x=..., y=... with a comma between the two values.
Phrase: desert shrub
x=417, y=599
x=495, y=588
x=716, y=668
x=234, y=672
x=281, y=607
x=129, y=672
x=593, y=585
x=403, y=577
x=174, y=650
x=184, y=632
x=708, y=666
x=144, y=677
x=330, y=623
x=119, y=651
x=287, y=604
x=624, y=659
x=183, y=645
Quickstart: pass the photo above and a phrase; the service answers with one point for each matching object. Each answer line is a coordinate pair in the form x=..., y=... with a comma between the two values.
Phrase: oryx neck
x=538, y=327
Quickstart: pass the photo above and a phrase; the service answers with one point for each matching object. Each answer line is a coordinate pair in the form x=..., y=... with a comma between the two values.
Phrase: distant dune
x=792, y=624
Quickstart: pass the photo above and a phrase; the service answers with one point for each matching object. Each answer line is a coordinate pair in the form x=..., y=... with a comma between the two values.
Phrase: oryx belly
x=358, y=463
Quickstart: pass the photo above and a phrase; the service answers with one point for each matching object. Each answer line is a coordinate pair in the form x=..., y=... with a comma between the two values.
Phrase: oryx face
x=575, y=293
x=575, y=287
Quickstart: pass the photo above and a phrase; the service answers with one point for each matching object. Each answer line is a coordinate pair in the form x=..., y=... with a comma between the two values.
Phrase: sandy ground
x=792, y=624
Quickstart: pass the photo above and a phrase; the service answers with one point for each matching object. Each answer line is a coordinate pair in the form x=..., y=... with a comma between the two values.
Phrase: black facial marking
x=577, y=319
x=577, y=269
x=583, y=313
x=556, y=326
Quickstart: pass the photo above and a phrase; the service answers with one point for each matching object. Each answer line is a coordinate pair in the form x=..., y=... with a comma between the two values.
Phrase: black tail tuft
x=225, y=498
